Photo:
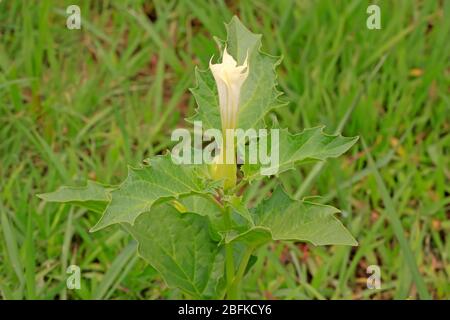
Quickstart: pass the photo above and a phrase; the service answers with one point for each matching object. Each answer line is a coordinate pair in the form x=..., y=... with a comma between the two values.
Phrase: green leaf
x=161, y=179
x=199, y=204
x=179, y=246
x=238, y=206
x=259, y=94
x=94, y=196
x=311, y=144
x=282, y=218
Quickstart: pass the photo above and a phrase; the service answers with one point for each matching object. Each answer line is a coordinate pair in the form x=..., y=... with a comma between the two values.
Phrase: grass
x=82, y=104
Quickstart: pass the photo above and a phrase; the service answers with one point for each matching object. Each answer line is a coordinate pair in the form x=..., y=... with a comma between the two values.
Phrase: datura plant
x=193, y=222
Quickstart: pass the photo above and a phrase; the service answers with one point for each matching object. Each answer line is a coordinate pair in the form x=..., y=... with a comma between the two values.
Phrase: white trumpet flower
x=229, y=79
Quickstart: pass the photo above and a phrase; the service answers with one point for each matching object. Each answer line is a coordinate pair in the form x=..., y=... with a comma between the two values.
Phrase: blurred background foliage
x=82, y=104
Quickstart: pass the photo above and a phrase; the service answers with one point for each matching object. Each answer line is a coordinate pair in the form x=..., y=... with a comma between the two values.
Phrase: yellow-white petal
x=229, y=79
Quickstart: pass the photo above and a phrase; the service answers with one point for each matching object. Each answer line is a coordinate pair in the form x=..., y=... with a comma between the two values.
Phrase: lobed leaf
x=161, y=179
x=282, y=218
x=94, y=196
x=311, y=144
x=179, y=246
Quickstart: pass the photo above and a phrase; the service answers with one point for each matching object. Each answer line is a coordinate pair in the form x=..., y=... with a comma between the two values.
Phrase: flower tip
x=228, y=59
x=246, y=60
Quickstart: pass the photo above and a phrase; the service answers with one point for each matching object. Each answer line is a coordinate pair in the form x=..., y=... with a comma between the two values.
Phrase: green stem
x=236, y=189
x=229, y=259
x=241, y=271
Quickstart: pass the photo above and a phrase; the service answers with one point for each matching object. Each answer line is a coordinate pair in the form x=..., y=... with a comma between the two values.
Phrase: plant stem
x=241, y=271
x=229, y=259
x=234, y=279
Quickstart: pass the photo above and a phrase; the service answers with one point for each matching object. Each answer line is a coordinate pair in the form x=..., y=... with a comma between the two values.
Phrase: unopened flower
x=229, y=79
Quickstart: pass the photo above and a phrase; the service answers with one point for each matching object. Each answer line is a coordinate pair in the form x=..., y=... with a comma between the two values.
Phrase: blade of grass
x=150, y=30
x=12, y=247
x=65, y=250
x=6, y=292
x=396, y=224
x=365, y=172
x=305, y=284
x=30, y=264
x=44, y=148
x=304, y=187
x=114, y=271
x=122, y=275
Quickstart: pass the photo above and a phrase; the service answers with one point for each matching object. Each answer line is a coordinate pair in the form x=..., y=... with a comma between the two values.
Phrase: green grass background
x=82, y=104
